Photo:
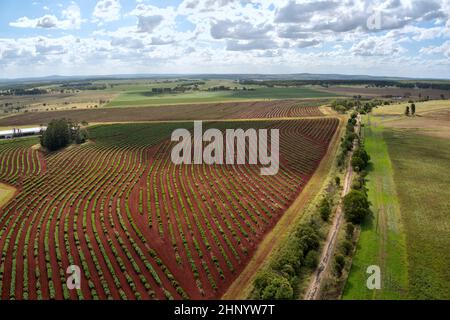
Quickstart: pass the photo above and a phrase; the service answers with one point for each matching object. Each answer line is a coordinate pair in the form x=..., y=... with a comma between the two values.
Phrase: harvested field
x=373, y=92
x=435, y=124
x=139, y=226
x=239, y=110
x=57, y=101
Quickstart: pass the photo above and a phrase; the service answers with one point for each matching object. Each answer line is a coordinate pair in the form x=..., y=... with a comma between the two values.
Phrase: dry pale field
x=386, y=92
x=61, y=101
x=6, y=193
x=432, y=117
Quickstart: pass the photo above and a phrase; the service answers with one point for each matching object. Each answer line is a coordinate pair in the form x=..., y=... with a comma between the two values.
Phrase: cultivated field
x=139, y=226
x=235, y=110
x=143, y=98
x=388, y=92
x=421, y=170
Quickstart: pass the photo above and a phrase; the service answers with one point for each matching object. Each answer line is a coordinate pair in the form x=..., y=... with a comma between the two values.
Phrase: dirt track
x=316, y=283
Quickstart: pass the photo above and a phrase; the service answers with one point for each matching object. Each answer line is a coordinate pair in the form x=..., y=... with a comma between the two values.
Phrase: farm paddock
x=211, y=111
x=138, y=226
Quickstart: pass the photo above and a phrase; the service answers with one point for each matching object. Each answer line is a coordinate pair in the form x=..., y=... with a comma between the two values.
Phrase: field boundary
x=242, y=285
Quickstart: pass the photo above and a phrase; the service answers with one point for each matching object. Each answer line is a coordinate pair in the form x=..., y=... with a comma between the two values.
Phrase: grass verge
x=382, y=240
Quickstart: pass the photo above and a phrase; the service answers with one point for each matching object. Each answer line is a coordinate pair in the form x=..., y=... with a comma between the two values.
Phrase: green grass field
x=409, y=177
x=421, y=173
x=144, y=97
x=382, y=240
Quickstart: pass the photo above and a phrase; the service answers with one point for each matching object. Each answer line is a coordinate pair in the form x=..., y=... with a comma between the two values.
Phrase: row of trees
x=347, y=140
x=283, y=275
x=370, y=83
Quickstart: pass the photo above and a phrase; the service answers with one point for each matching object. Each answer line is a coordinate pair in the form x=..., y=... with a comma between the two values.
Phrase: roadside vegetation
x=407, y=236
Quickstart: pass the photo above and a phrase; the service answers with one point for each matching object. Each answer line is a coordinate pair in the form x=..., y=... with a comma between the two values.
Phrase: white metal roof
x=22, y=130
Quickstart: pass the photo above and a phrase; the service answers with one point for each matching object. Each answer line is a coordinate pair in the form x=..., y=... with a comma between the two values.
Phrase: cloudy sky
x=81, y=37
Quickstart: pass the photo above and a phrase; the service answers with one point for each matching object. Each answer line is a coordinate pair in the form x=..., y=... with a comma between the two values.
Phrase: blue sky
x=85, y=37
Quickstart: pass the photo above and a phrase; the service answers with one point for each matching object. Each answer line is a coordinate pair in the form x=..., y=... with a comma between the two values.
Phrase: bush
x=337, y=180
x=356, y=206
x=339, y=263
x=347, y=247
x=325, y=209
x=273, y=286
x=279, y=289
x=312, y=259
x=349, y=230
x=360, y=159
x=81, y=136
x=57, y=135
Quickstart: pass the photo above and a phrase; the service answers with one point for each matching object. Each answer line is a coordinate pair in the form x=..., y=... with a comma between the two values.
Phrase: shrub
x=325, y=209
x=271, y=285
x=356, y=206
x=349, y=230
x=347, y=247
x=339, y=263
x=338, y=181
x=312, y=259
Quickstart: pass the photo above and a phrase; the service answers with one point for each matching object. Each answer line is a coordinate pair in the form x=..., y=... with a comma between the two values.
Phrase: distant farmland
x=231, y=110
x=139, y=226
x=144, y=97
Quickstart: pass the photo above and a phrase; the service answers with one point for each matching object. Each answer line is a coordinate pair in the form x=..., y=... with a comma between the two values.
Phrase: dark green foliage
x=356, y=206
x=312, y=259
x=339, y=264
x=271, y=285
x=407, y=111
x=57, y=135
x=325, y=209
x=81, y=136
x=357, y=163
x=413, y=109
x=62, y=132
x=338, y=181
x=360, y=159
x=301, y=252
x=349, y=230
x=347, y=247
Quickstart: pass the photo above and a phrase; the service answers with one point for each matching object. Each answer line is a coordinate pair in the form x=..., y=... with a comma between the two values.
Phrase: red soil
x=213, y=217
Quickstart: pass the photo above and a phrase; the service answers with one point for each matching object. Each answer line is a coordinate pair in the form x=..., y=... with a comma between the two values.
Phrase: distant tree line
x=83, y=86
x=22, y=92
x=373, y=83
